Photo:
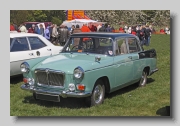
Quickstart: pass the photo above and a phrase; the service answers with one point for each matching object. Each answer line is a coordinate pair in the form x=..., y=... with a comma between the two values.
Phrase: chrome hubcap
x=143, y=79
x=98, y=93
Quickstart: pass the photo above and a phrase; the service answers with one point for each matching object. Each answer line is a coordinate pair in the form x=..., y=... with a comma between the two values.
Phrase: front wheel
x=98, y=94
x=143, y=79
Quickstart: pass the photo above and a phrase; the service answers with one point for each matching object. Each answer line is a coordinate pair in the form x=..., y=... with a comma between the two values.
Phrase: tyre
x=143, y=79
x=34, y=96
x=98, y=94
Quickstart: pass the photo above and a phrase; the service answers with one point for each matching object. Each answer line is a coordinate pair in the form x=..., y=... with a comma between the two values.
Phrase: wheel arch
x=106, y=83
x=147, y=69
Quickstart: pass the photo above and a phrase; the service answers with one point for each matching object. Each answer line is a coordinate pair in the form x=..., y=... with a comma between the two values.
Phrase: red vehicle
x=29, y=24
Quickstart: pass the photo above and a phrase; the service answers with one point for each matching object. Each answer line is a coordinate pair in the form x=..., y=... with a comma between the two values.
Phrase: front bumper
x=153, y=71
x=63, y=94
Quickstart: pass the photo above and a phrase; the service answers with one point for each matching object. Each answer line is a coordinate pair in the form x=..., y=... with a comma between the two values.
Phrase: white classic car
x=25, y=46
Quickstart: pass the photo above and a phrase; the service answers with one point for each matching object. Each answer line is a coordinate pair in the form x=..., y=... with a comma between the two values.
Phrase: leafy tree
x=56, y=20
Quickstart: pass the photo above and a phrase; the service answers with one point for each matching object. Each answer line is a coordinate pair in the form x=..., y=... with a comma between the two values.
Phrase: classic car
x=24, y=46
x=95, y=64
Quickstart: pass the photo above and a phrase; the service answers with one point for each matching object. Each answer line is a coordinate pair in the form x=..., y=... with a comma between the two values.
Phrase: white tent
x=80, y=22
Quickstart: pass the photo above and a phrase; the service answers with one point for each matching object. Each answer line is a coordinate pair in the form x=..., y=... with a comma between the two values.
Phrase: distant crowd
x=59, y=35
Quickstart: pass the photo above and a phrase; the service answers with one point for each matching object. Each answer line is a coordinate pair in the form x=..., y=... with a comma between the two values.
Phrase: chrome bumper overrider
x=63, y=94
x=153, y=71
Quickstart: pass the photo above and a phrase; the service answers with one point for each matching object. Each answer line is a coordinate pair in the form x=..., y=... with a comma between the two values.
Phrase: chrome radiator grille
x=49, y=77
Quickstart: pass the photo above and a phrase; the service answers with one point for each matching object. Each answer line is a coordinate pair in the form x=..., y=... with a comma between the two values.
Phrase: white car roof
x=18, y=34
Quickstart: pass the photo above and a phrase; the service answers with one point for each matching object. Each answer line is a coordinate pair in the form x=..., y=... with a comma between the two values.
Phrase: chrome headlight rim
x=78, y=73
x=25, y=66
x=71, y=87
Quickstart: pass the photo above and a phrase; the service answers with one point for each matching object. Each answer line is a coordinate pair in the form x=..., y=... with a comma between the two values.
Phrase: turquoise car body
x=116, y=71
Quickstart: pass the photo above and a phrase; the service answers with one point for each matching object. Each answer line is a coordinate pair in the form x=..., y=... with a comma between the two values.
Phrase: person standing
x=12, y=27
x=15, y=26
x=50, y=30
x=126, y=29
x=47, y=33
x=76, y=40
x=98, y=27
x=72, y=29
x=41, y=30
x=54, y=34
x=63, y=35
x=140, y=34
x=36, y=29
x=85, y=28
x=22, y=28
x=108, y=29
x=32, y=29
x=102, y=29
x=129, y=30
x=147, y=35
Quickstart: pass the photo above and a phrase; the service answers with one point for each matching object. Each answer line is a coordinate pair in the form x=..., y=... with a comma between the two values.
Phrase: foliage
x=130, y=101
x=130, y=17
x=113, y=17
x=20, y=16
x=56, y=20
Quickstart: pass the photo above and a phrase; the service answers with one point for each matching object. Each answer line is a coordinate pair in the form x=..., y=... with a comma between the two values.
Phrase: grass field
x=130, y=101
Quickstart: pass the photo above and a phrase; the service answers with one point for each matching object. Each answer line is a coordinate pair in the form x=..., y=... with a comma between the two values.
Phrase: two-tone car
x=25, y=46
x=95, y=64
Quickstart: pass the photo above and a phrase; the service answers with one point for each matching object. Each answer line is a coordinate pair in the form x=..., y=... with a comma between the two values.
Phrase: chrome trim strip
x=99, y=68
x=63, y=94
x=50, y=86
x=153, y=71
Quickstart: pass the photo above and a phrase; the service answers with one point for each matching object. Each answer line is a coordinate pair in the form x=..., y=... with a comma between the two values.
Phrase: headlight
x=78, y=73
x=71, y=87
x=24, y=67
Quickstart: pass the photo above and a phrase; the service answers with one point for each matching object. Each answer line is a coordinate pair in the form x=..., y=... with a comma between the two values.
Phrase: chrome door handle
x=49, y=49
x=30, y=54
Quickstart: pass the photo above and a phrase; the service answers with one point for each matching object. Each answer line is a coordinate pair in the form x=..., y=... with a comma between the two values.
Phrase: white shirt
x=23, y=29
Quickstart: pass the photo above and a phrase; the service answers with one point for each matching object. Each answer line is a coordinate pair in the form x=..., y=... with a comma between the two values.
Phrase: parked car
x=96, y=63
x=24, y=46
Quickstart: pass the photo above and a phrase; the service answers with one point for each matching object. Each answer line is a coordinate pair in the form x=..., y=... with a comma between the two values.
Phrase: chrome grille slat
x=49, y=77
x=42, y=77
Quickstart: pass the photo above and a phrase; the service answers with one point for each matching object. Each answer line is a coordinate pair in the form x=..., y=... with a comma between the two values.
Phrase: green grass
x=130, y=101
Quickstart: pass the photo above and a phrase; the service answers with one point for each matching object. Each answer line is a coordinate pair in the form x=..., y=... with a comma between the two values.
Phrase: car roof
x=102, y=34
x=17, y=34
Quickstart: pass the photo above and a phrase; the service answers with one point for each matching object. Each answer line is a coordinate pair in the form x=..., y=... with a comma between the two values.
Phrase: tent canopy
x=80, y=22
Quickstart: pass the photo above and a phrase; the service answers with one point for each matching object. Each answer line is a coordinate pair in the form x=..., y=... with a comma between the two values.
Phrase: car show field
x=150, y=100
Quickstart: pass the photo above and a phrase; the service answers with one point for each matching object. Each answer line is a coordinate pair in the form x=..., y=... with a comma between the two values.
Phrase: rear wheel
x=98, y=94
x=143, y=79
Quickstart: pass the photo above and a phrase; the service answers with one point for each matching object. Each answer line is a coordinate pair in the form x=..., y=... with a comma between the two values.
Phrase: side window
x=36, y=43
x=19, y=44
x=121, y=47
x=133, y=46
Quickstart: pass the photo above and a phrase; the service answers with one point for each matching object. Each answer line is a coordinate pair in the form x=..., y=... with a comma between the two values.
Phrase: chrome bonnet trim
x=51, y=70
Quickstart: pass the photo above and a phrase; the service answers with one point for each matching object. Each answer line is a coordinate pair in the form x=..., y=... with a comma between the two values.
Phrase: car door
x=39, y=47
x=19, y=52
x=134, y=49
x=123, y=63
